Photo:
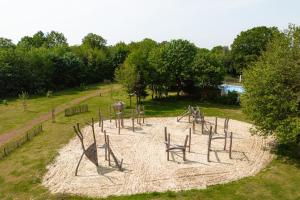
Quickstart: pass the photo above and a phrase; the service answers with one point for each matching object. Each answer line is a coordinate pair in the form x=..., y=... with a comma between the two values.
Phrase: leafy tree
x=207, y=69
x=272, y=88
x=6, y=43
x=55, y=39
x=249, y=45
x=223, y=54
x=159, y=75
x=118, y=53
x=179, y=55
x=126, y=75
x=93, y=41
x=68, y=70
x=40, y=39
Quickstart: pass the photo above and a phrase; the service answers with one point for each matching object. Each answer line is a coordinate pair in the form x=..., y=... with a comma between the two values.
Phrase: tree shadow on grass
x=289, y=153
x=180, y=103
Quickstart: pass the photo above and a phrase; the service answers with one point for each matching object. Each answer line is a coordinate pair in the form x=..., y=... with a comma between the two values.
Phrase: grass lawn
x=13, y=115
x=22, y=171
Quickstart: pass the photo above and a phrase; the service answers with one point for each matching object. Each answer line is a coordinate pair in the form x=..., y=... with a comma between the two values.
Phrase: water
x=226, y=88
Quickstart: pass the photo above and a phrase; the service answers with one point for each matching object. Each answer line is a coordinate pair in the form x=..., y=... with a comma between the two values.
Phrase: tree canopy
x=272, y=97
x=249, y=45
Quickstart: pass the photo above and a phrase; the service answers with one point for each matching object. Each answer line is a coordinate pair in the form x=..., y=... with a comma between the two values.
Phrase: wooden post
x=132, y=113
x=194, y=125
x=209, y=144
x=216, y=124
x=109, y=113
x=105, y=143
x=230, y=146
x=168, y=142
x=53, y=115
x=122, y=119
x=202, y=126
x=143, y=114
x=99, y=114
x=108, y=148
x=190, y=139
x=93, y=129
x=119, y=123
x=102, y=124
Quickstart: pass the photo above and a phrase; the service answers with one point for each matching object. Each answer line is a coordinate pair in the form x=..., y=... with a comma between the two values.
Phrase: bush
x=232, y=98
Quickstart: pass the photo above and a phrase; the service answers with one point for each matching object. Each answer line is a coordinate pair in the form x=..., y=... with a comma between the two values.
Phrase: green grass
x=22, y=171
x=13, y=115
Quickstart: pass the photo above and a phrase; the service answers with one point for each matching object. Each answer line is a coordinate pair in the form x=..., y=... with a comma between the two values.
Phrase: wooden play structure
x=140, y=114
x=91, y=151
x=175, y=147
x=118, y=109
x=212, y=137
x=110, y=154
x=191, y=111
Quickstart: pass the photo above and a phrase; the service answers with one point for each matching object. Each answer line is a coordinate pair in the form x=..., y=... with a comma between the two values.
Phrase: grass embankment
x=22, y=171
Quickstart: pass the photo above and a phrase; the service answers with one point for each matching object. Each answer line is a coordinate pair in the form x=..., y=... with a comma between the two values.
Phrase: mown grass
x=13, y=115
x=21, y=172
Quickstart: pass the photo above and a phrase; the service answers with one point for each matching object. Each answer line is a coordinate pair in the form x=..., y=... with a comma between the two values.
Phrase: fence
x=6, y=149
x=76, y=110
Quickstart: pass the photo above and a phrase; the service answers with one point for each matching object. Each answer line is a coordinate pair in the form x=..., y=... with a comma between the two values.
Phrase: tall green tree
x=249, y=45
x=272, y=85
x=6, y=43
x=179, y=55
x=93, y=41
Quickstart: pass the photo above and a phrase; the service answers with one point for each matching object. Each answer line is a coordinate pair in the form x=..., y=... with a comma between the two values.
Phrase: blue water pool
x=237, y=88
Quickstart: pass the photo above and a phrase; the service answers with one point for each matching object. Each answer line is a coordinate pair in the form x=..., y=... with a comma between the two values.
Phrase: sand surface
x=145, y=164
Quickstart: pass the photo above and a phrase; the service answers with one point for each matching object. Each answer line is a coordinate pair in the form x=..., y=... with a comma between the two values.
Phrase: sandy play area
x=145, y=164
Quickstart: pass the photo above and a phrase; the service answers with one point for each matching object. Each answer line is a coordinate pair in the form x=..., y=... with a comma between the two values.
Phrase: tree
x=272, y=88
x=55, y=39
x=207, y=69
x=249, y=45
x=93, y=41
x=6, y=43
x=40, y=39
x=159, y=75
x=178, y=56
x=126, y=75
x=223, y=54
x=68, y=70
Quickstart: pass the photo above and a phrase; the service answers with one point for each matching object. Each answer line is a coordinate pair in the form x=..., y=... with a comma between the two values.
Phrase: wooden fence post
x=53, y=115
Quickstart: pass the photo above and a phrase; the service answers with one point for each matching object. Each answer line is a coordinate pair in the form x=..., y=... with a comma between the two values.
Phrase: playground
x=148, y=155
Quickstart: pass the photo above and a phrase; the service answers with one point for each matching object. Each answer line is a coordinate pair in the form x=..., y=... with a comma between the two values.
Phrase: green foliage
x=207, y=70
x=93, y=41
x=6, y=43
x=249, y=45
x=231, y=98
x=179, y=55
x=272, y=97
x=126, y=75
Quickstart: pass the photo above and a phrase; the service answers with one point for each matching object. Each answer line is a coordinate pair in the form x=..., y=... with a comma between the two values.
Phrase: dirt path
x=4, y=138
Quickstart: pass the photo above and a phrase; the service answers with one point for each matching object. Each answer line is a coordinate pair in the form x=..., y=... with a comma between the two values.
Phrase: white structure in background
x=240, y=79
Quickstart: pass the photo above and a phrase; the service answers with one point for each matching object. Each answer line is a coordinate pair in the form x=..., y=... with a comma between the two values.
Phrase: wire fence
x=9, y=147
x=76, y=110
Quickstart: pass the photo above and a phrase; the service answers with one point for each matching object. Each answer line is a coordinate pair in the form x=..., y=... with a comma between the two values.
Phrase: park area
x=44, y=168
x=150, y=119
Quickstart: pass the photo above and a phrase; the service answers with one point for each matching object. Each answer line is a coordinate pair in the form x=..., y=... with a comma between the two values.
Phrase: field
x=21, y=172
